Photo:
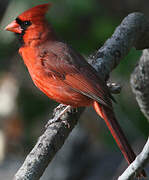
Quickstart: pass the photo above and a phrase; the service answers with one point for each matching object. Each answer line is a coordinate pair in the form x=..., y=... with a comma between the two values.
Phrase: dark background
x=90, y=152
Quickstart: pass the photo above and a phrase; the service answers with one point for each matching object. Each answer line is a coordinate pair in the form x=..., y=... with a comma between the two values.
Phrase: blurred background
x=90, y=152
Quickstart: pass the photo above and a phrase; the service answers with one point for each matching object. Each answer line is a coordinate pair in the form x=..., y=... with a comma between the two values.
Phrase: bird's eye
x=23, y=24
x=26, y=23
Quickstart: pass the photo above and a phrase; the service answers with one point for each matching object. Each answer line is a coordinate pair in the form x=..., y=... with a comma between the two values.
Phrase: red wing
x=65, y=64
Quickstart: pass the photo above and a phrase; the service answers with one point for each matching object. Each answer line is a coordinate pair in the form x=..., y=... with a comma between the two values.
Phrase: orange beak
x=14, y=27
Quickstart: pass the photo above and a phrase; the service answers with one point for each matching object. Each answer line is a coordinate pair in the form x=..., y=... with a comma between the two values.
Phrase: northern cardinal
x=62, y=73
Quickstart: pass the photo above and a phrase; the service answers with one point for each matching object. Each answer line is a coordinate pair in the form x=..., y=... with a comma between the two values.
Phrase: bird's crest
x=37, y=12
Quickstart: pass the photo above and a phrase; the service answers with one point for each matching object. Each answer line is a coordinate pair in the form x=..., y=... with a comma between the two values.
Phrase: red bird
x=62, y=73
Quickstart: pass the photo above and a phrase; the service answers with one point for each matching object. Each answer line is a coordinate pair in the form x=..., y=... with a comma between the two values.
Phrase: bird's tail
x=108, y=115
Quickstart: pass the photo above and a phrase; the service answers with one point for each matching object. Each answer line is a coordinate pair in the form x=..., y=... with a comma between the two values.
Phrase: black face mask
x=24, y=25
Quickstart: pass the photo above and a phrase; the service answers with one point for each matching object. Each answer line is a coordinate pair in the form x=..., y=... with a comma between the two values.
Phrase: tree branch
x=133, y=32
x=140, y=86
x=140, y=83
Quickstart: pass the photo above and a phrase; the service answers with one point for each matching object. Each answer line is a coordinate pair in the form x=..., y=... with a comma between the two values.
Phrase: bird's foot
x=59, y=111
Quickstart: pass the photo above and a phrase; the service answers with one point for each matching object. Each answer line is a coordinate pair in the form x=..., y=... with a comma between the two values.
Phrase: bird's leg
x=59, y=111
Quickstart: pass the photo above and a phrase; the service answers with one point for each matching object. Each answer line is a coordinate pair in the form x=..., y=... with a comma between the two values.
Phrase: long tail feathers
x=117, y=133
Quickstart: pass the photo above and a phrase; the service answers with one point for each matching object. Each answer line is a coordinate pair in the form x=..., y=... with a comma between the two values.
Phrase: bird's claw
x=52, y=121
x=60, y=114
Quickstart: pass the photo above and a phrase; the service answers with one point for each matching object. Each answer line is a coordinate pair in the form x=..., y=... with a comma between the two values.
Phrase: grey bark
x=140, y=83
x=132, y=32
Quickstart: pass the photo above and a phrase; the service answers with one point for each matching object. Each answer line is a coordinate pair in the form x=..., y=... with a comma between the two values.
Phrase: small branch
x=140, y=83
x=141, y=160
x=133, y=31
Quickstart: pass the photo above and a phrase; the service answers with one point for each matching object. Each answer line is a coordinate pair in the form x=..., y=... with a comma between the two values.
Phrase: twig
x=141, y=160
x=133, y=31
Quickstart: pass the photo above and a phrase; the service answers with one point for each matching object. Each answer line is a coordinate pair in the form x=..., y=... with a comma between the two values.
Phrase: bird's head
x=29, y=22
